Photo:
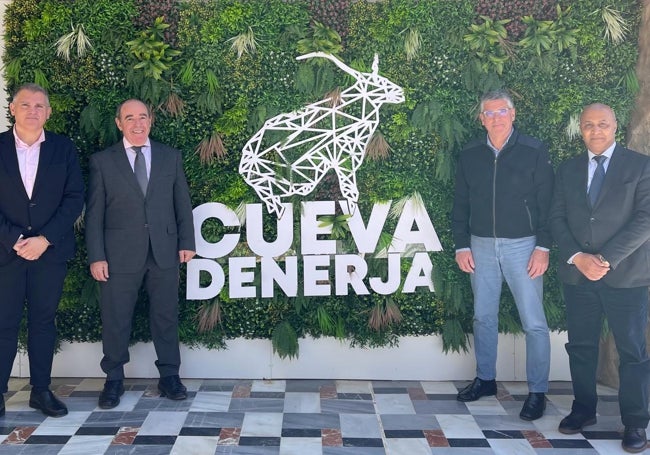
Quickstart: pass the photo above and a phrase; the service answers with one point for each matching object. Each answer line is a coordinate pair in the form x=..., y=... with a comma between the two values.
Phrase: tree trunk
x=638, y=138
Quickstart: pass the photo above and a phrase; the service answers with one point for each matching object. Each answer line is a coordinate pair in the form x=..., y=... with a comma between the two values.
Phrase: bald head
x=598, y=127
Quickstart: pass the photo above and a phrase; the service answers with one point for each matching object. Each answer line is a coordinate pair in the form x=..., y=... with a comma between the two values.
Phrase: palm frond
x=572, y=129
x=208, y=316
x=211, y=149
x=76, y=36
x=616, y=26
x=244, y=43
x=377, y=148
x=412, y=43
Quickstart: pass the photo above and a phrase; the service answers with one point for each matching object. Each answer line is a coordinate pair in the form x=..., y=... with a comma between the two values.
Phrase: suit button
x=587, y=243
x=31, y=204
x=29, y=228
x=146, y=225
x=592, y=219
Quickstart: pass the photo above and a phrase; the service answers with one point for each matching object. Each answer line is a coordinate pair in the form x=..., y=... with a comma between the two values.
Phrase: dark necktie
x=598, y=179
x=140, y=169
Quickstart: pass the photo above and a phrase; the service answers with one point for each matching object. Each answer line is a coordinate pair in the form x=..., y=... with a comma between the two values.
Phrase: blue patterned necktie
x=598, y=179
x=140, y=169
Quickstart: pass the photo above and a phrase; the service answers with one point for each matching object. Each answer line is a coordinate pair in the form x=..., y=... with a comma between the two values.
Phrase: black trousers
x=36, y=285
x=627, y=316
x=119, y=296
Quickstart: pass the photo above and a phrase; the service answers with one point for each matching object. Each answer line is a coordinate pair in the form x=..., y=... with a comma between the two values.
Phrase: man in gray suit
x=600, y=218
x=139, y=228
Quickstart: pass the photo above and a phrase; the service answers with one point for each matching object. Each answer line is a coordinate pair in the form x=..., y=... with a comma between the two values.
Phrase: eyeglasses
x=498, y=113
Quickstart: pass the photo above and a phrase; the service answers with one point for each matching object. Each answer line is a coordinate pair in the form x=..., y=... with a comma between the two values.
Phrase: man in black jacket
x=504, y=184
x=41, y=196
x=600, y=218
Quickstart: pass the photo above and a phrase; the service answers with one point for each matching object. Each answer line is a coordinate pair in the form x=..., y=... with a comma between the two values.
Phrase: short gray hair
x=31, y=87
x=500, y=94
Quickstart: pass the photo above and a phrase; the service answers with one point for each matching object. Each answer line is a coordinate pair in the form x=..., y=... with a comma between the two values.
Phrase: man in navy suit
x=139, y=228
x=600, y=218
x=41, y=197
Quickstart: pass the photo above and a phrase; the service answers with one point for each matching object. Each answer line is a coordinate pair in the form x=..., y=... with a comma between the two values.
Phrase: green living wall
x=215, y=70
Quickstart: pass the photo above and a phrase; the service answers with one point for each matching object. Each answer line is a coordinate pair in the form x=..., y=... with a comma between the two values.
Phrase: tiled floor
x=301, y=417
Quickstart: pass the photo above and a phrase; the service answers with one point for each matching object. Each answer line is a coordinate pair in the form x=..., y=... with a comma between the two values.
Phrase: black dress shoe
x=172, y=388
x=47, y=403
x=574, y=422
x=634, y=440
x=534, y=406
x=110, y=396
x=477, y=389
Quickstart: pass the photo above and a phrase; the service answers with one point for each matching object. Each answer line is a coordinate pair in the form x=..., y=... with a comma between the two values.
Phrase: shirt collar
x=128, y=145
x=494, y=149
x=22, y=145
x=607, y=153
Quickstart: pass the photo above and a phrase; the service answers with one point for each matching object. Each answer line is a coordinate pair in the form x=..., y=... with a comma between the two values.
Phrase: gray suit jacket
x=618, y=226
x=121, y=223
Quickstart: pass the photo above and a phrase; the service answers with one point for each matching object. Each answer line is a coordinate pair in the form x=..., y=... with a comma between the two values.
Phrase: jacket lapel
x=157, y=165
x=124, y=167
x=10, y=161
x=44, y=161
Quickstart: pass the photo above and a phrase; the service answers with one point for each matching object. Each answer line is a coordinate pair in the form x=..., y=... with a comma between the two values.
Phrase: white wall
x=416, y=358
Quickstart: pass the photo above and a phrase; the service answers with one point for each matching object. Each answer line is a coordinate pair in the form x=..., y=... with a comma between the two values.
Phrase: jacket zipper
x=494, y=197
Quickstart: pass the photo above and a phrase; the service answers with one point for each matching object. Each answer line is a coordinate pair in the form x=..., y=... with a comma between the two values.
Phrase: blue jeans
x=497, y=259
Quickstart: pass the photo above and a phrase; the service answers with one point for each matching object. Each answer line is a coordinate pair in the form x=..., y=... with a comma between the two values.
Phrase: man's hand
x=591, y=266
x=186, y=255
x=465, y=261
x=31, y=248
x=99, y=270
x=538, y=263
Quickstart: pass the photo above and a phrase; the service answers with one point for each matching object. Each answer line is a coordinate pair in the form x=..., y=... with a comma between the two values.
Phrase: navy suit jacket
x=617, y=226
x=56, y=203
x=121, y=222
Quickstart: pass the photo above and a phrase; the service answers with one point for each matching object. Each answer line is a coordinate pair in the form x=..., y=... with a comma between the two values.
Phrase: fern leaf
x=285, y=341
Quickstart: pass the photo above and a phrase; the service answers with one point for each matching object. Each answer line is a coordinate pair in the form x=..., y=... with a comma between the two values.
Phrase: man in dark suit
x=139, y=228
x=600, y=218
x=41, y=196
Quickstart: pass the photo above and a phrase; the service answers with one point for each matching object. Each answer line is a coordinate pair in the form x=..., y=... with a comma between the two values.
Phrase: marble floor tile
x=211, y=401
x=262, y=424
x=67, y=425
x=195, y=445
x=305, y=417
x=163, y=423
x=394, y=404
x=360, y=426
x=459, y=426
x=307, y=402
x=407, y=446
x=301, y=446
x=86, y=445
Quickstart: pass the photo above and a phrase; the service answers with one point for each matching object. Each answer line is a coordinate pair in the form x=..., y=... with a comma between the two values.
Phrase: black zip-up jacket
x=504, y=196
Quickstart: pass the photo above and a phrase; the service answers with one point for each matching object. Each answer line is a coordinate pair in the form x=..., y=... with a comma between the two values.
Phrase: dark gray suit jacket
x=618, y=226
x=121, y=222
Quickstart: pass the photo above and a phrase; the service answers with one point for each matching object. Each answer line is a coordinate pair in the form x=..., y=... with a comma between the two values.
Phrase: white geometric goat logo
x=292, y=152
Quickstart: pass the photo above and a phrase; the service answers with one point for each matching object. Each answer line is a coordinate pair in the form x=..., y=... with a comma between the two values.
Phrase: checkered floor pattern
x=301, y=417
